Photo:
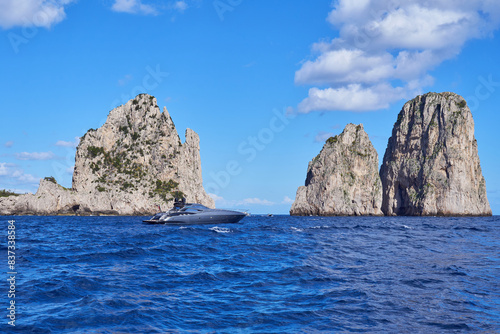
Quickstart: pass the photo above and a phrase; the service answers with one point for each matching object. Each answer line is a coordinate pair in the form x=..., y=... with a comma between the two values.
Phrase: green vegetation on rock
x=168, y=188
x=94, y=151
x=7, y=193
x=123, y=129
x=332, y=140
x=50, y=179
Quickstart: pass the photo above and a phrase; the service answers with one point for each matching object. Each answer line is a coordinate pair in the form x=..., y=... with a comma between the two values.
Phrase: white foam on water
x=220, y=229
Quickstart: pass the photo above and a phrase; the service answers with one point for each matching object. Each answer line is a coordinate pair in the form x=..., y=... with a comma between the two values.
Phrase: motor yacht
x=193, y=213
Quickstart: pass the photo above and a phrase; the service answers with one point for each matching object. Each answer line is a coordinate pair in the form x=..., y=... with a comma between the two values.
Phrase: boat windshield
x=194, y=208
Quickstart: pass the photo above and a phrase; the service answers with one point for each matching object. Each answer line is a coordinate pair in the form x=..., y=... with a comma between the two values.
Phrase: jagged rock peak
x=431, y=165
x=138, y=151
x=342, y=179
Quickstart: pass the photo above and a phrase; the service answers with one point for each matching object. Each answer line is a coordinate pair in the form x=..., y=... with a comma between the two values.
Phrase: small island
x=431, y=167
x=130, y=165
x=343, y=179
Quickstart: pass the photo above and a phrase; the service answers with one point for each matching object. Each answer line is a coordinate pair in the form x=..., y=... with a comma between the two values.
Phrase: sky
x=264, y=84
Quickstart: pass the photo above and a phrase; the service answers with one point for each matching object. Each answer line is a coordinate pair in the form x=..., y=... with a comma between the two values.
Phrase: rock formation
x=135, y=161
x=53, y=199
x=343, y=179
x=431, y=165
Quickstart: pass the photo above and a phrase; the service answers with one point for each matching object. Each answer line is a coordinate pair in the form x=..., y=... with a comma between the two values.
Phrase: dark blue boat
x=192, y=213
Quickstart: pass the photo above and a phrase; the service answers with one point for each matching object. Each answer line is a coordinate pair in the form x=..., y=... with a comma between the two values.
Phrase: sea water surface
x=276, y=274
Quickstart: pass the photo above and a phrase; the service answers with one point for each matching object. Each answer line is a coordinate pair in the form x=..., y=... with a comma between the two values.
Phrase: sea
x=278, y=274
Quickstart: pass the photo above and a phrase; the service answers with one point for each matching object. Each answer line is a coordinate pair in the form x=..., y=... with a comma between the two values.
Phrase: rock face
x=343, y=179
x=53, y=199
x=133, y=163
x=138, y=152
x=431, y=165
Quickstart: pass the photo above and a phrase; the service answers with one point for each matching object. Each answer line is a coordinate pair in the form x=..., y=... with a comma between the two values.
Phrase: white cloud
x=221, y=202
x=180, y=6
x=3, y=169
x=11, y=171
x=39, y=13
x=287, y=200
x=289, y=111
x=35, y=156
x=133, y=7
x=257, y=201
x=25, y=178
x=70, y=170
x=353, y=97
x=358, y=66
x=71, y=144
x=414, y=25
x=340, y=66
x=9, y=144
x=322, y=136
x=385, y=42
x=216, y=198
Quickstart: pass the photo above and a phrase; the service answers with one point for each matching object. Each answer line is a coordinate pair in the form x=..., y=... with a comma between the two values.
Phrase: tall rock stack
x=131, y=164
x=343, y=179
x=431, y=165
x=138, y=152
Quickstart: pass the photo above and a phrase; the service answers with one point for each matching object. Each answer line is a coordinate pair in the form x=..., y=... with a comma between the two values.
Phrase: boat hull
x=213, y=217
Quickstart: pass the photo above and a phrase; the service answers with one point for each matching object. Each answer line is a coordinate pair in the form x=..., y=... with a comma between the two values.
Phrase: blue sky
x=264, y=84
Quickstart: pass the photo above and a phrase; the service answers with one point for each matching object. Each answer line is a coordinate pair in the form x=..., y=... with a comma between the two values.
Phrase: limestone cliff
x=135, y=161
x=343, y=179
x=431, y=165
x=53, y=199
x=138, y=152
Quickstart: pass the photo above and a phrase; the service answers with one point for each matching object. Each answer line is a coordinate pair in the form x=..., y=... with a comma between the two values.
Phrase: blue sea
x=276, y=274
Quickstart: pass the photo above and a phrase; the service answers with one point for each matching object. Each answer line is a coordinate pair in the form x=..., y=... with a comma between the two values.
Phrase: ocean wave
x=220, y=229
